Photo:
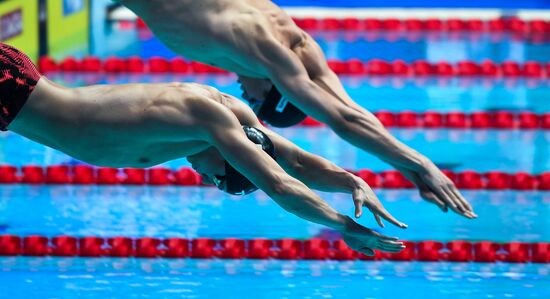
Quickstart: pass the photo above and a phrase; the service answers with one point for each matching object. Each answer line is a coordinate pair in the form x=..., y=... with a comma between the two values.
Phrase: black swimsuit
x=18, y=77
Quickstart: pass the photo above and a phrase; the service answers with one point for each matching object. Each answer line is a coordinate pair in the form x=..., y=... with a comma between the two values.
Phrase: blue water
x=408, y=46
x=205, y=212
x=193, y=212
x=135, y=278
x=382, y=93
x=434, y=46
x=506, y=4
x=480, y=150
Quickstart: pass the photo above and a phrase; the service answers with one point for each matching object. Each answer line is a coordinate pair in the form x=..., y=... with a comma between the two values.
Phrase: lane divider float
x=355, y=67
x=284, y=249
x=502, y=120
x=185, y=176
x=511, y=24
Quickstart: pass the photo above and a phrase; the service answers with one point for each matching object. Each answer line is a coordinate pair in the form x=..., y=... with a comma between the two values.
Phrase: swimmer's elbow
x=276, y=189
x=341, y=120
x=279, y=188
x=297, y=165
x=346, y=120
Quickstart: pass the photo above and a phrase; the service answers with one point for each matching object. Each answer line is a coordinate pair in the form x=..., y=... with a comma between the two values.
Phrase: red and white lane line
x=284, y=249
x=160, y=176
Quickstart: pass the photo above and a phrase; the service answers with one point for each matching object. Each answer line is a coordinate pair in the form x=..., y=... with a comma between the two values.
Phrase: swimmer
x=285, y=76
x=141, y=125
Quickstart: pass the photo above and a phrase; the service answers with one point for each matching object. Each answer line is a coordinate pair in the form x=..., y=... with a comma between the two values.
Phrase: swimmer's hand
x=437, y=188
x=364, y=240
x=364, y=196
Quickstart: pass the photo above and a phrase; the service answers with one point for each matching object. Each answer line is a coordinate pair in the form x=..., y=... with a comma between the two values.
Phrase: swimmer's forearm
x=320, y=174
x=302, y=202
x=356, y=125
x=292, y=195
x=316, y=172
x=350, y=121
x=366, y=132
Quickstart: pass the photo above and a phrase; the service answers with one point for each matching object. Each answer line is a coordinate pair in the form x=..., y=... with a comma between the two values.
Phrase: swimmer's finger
x=358, y=208
x=457, y=205
x=463, y=200
x=391, y=242
x=470, y=215
x=431, y=197
x=378, y=220
x=367, y=251
x=458, y=200
x=388, y=217
x=390, y=247
x=452, y=202
x=385, y=238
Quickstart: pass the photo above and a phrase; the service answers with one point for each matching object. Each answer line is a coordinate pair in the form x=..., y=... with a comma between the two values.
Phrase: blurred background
x=102, y=28
x=464, y=82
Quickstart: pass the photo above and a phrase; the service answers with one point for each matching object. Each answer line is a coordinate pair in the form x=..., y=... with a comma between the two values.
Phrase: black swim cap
x=233, y=182
x=277, y=111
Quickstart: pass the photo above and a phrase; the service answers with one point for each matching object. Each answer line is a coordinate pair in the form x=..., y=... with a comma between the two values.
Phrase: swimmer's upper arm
x=288, y=73
x=288, y=154
x=279, y=60
x=227, y=135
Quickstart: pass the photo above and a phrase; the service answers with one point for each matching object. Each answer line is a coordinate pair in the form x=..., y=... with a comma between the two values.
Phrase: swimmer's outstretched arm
x=227, y=136
x=325, y=99
x=315, y=171
x=321, y=174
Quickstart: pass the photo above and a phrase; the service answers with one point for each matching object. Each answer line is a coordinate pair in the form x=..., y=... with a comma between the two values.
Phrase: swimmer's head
x=215, y=170
x=268, y=103
x=209, y=163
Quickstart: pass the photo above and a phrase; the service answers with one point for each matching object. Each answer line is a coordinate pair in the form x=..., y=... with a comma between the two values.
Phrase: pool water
x=387, y=45
x=194, y=212
x=139, y=278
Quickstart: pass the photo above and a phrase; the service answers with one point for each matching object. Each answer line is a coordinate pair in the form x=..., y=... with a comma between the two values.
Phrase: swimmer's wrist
x=339, y=222
x=347, y=223
x=424, y=165
x=356, y=183
x=417, y=162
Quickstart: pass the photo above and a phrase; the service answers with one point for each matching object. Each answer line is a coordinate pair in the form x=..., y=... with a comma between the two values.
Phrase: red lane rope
x=160, y=176
x=375, y=67
x=457, y=120
x=285, y=249
x=512, y=25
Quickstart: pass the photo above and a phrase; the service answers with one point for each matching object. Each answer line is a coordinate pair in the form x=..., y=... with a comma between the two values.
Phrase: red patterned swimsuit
x=18, y=77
